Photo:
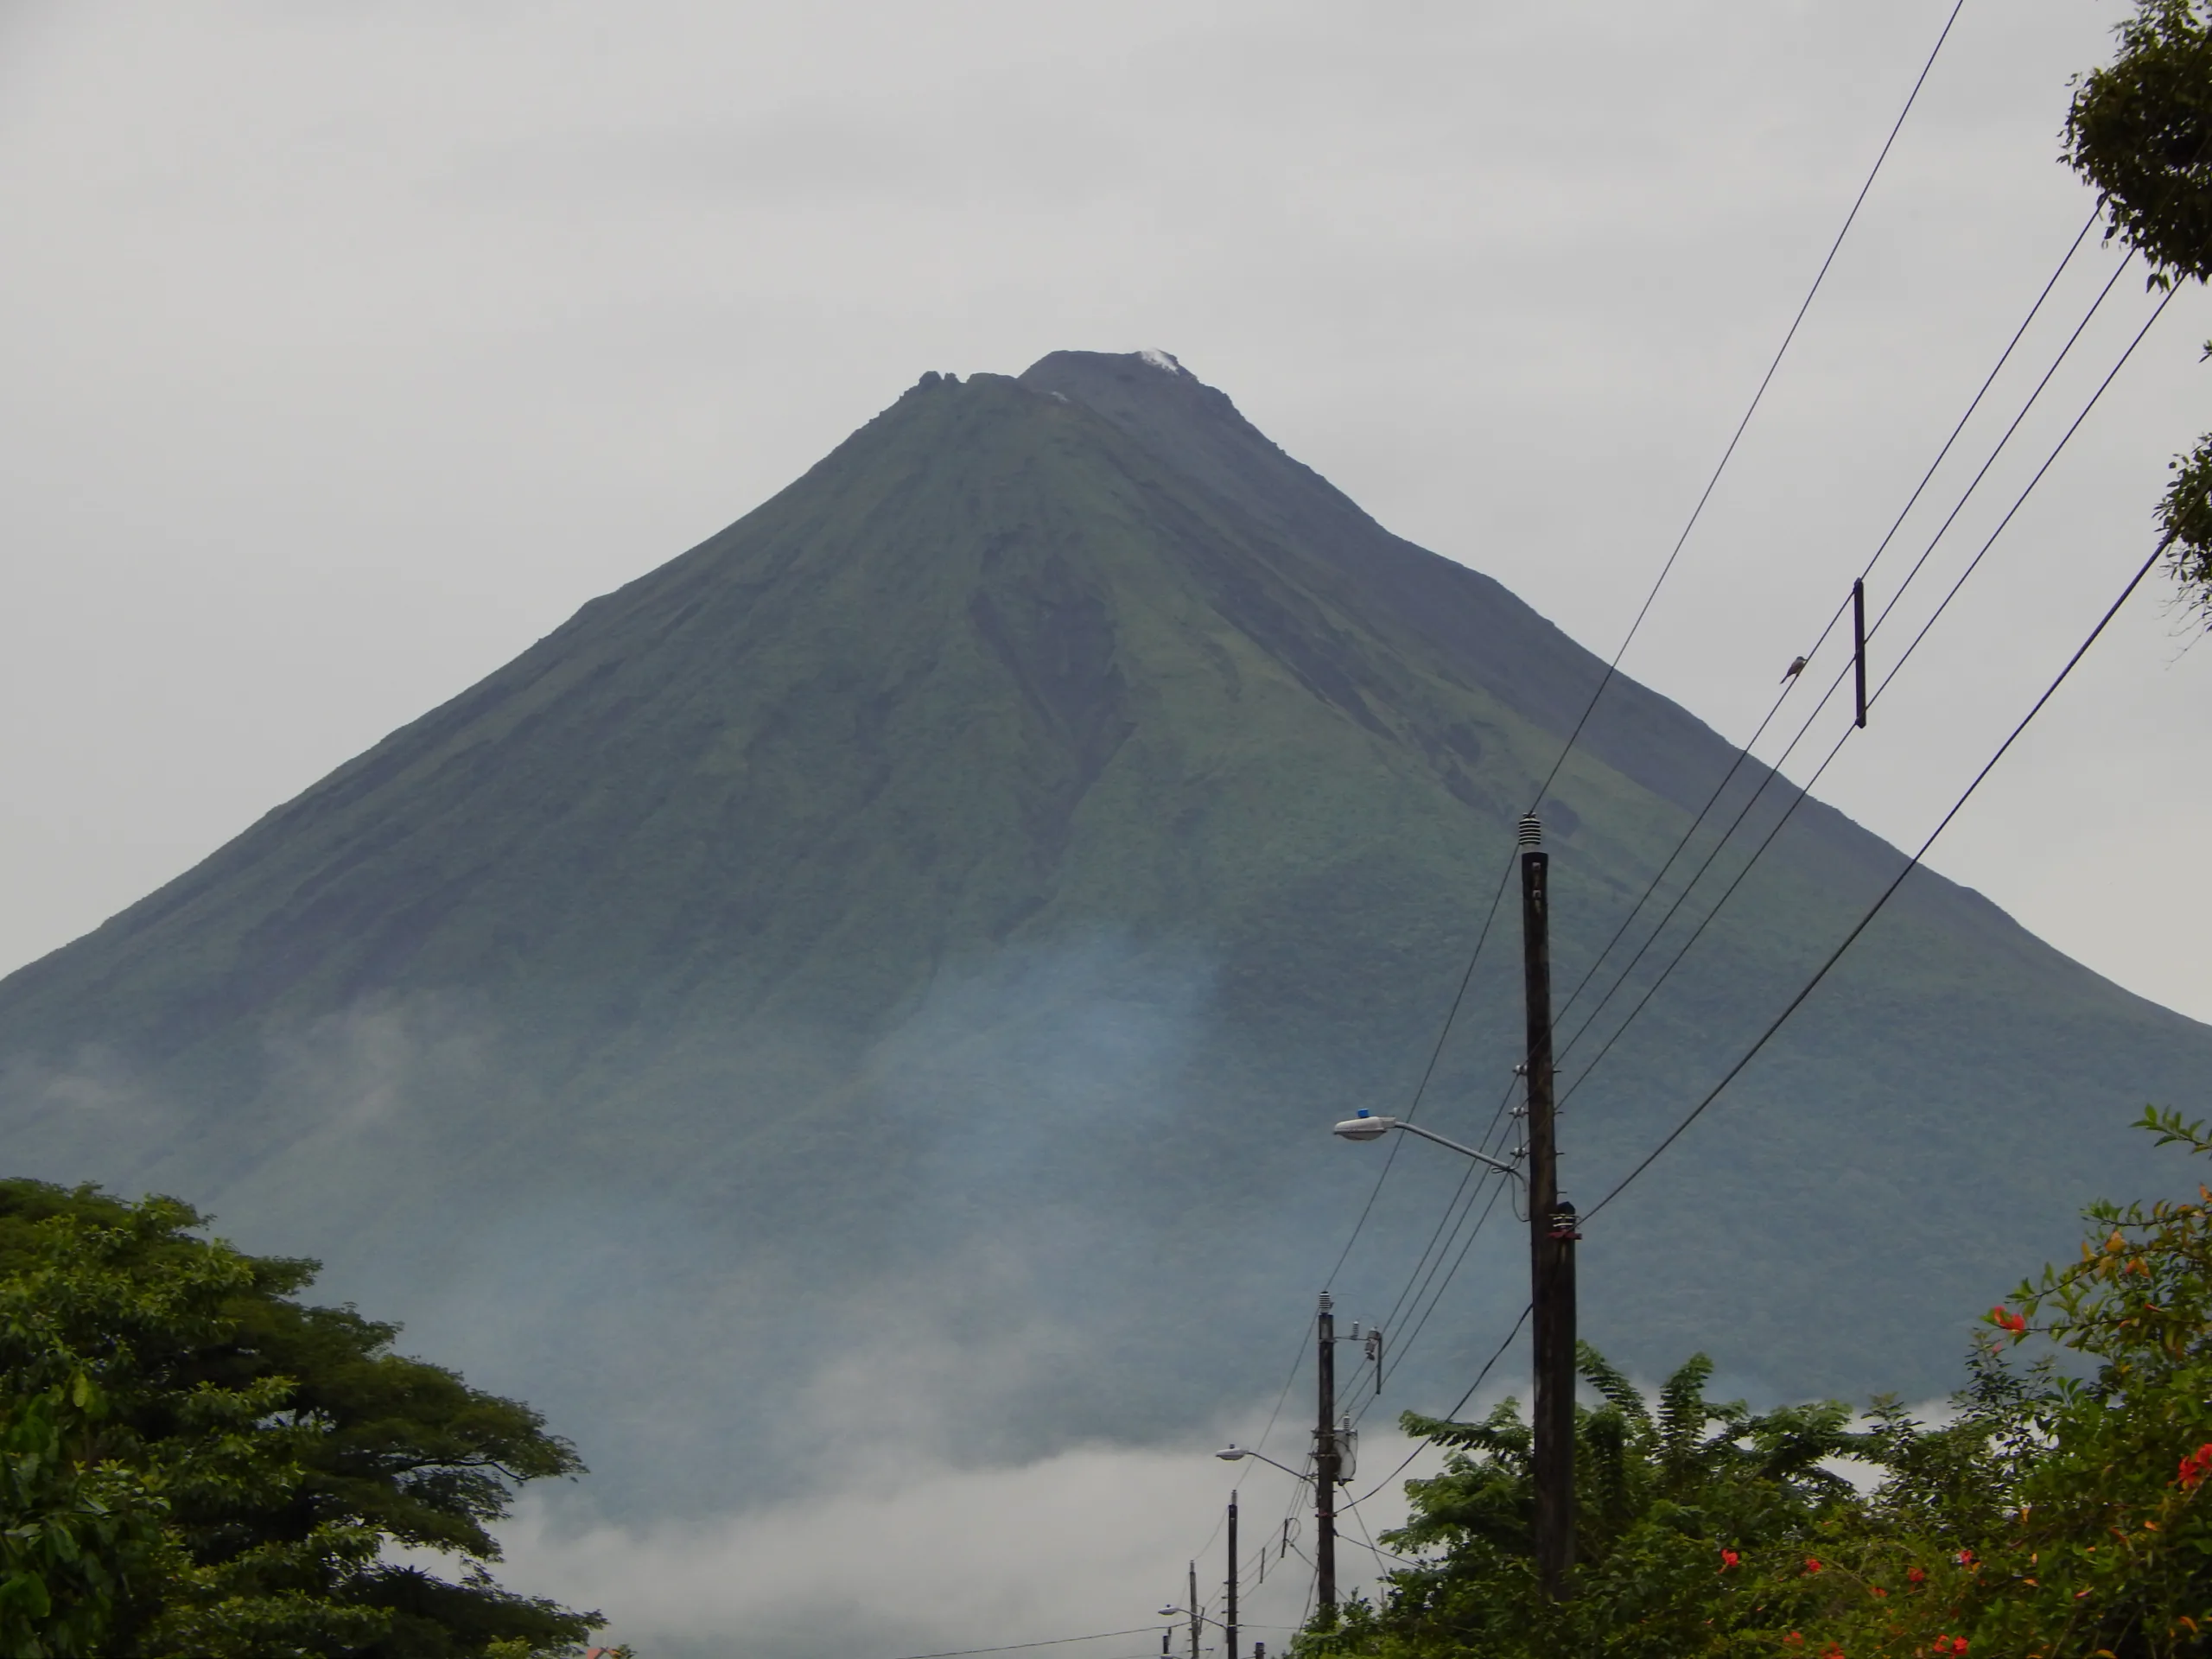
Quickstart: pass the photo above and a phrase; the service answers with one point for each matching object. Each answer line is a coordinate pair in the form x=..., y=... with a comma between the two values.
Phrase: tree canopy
x=2055, y=1514
x=2140, y=130
x=193, y=1462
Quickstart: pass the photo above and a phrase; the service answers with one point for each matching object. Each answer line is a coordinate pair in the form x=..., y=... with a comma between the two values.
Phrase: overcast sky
x=344, y=349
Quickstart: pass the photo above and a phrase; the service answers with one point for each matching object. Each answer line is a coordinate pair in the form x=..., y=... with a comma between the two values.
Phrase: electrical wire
x=1372, y=1547
x=1621, y=978
x=1803, y=792
x=1421, y=1323
x=1790, y=685
x=1835, y=955
x=1402, y=1346
x=1451, y=1415
x=1297, y=1364
x=1019, y=1647
x=1757, y=397
x=1472, y=1173
x=1605, y=680
x=1428, y=1071
x=2065, y=351
x=1665, y=569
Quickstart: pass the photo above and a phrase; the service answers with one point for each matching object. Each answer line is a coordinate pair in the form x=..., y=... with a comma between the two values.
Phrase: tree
x=2140, y=130
x=200, y=1464
x=2057, y=1514
x=1696, y=1522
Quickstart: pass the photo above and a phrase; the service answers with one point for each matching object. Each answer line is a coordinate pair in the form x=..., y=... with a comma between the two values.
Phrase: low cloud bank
x=898, y=1557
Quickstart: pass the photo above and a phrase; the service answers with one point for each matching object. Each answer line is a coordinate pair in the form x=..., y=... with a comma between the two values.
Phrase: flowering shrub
x=2053, y=1517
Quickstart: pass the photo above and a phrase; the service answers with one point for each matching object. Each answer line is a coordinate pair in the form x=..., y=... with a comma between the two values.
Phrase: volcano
x=922, y=934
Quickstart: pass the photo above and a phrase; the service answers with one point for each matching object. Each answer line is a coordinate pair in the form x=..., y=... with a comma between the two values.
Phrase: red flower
x=2005, y=1319
x=1958, y=1644
x=1728, y=1558
x=1965, y=1557
x=1916, y=1575
x=2195, y=1466
x=1795, y=1639
x=1812, y=1566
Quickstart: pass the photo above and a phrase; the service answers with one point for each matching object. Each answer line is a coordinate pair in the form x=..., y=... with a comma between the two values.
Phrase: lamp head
x=1366, y=1127
x=1230, y=1453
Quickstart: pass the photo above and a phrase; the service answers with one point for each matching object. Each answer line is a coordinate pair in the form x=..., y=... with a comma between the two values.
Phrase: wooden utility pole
x=1326, y=1462
x=1194, y=1610
x=1551, y=1240
x=1230, y=1623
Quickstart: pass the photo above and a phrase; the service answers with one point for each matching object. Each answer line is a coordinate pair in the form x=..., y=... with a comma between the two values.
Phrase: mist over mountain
x=912, y=945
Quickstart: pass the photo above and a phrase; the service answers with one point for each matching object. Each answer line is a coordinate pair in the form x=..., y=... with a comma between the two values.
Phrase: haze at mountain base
x=958, y=898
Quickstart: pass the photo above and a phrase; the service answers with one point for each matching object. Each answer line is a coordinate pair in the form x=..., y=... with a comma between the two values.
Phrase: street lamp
x=1368, y=1126
x=1230, y=1453
x=1552, y=1232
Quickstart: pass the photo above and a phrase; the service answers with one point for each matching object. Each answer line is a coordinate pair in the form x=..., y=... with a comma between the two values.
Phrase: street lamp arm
x=1229, y=1455
x=1497, y=1164
x=1368, y=1127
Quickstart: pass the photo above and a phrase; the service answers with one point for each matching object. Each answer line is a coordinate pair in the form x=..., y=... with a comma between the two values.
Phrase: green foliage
x=1695, y=1521
x=198, y=1465
x=2054, y=1516
x=2185, y=517
x=78, y=1534
x=2140, y=130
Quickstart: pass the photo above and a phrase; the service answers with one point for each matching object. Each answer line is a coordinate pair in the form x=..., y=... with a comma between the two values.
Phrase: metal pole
x=1230, y=1622
x=1325, y=1462
x=1551, y=1241
x=1858, y=643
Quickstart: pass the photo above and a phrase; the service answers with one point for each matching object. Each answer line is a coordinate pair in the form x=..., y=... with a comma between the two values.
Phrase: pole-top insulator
x=1532, y=830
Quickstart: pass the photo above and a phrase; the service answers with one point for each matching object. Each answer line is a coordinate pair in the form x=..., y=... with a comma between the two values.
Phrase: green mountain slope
x=948, y=906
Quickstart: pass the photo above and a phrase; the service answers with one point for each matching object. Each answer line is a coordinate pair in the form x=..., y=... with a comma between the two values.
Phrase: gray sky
x=348, y=349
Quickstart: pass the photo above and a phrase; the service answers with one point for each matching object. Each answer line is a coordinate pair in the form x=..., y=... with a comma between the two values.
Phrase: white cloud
x=898, y=1555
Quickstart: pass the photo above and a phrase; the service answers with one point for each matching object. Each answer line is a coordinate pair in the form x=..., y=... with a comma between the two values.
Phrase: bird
x=1797, y=667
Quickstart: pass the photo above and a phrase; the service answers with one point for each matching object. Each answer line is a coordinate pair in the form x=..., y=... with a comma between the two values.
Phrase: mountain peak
x=976, y=873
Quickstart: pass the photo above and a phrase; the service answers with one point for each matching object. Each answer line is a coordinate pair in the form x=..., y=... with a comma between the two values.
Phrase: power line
x=1462, y=1405
x=1428, y=1071
x=1789, y=685
x=1472, y=1172
x=1019, y=1647
x=1652, y=938
x=1765, y=380
x=1836, y=955
x=1598, y=693
x=1665, y=570
x=2064, y=352
x=1297, y=1364
x=1402, y=1346
x=1804, y=790
x=1467, y=1247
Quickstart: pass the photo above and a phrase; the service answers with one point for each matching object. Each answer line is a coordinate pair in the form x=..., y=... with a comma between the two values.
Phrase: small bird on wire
x=1797, y=667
